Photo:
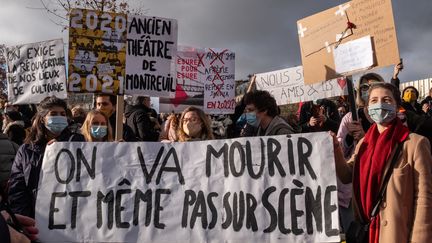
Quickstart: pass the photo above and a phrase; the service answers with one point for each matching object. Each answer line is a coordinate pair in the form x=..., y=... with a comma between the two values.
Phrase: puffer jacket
x=24, y=178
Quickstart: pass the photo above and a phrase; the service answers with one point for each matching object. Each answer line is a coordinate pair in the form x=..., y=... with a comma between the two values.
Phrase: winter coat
x=277, y=126
x=138, y=119
x=128, y=134
x=8, y=149
x=25, y=172
x=406, y=210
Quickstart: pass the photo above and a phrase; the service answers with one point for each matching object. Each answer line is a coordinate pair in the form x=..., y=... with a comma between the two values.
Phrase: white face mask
x=192, y=129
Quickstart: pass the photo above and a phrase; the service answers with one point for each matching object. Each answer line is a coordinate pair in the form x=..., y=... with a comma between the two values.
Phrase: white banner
x=35, y=71
x=257, y=189
x=219, y=88
x=150, y=58
x=288, y=87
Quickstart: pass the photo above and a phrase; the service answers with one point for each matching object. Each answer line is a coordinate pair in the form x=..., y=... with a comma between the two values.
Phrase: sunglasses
x=366, y=86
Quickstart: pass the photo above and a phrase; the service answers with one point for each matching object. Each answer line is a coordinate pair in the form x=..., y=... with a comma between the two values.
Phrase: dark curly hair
x=263, y=101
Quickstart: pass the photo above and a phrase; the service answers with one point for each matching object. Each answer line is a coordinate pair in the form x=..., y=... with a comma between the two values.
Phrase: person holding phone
x=396, y=70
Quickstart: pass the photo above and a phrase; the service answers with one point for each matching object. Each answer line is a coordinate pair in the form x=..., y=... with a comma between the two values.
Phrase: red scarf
x=374, y=155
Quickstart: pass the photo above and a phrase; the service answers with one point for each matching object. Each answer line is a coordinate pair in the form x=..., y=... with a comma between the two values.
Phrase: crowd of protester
x=363, y=147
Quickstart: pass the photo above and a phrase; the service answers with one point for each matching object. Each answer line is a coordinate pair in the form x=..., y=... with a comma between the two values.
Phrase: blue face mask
x=365, y=96
x=98, y=131
x=382, y=112
x=251, y=119
x=242, y=120
x=56, y=124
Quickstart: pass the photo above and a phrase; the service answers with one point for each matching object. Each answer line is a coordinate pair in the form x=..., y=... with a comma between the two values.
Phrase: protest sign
x=3, y=71
x=287, y=86
x=97, y=52
x=353, y=55
x=36, y=71
x=319, y=34
x=219, y=87
x=150, y=57
x=257, y=189
x=190, y=81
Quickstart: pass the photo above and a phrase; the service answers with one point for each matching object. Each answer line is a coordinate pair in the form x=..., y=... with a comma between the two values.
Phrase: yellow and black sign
x=97, y=52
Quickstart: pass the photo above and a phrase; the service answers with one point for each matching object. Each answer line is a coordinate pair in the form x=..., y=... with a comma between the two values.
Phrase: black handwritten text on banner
x=261, y=189
x=219, y=88
x=288, y=87
x=150, y=59
x=36, y=71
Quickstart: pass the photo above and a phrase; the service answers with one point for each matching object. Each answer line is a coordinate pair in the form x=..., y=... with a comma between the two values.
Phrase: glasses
x=192, y=119
x=365, y=87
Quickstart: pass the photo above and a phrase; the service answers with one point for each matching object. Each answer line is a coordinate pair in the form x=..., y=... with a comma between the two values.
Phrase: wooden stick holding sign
x=119, y=118
x=351, y=98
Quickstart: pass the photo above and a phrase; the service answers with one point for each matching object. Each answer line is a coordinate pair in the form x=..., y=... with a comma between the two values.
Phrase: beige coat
x=406, y=212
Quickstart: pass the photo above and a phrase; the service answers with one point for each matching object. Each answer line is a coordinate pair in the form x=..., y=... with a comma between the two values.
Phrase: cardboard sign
x=97, y=52
x=219, y=88
x=150, y=59
x=36, y=71
x=320, y=33
x=287, y=86
x=353, y=55
x=190, y=81
x=257, y=189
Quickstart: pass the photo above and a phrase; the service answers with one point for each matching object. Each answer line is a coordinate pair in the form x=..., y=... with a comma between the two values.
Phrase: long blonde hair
x=206, y=130
x=85, y=129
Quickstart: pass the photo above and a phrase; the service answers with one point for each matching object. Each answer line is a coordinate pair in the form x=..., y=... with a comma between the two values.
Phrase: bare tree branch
x=61, y=9
x=52, y=12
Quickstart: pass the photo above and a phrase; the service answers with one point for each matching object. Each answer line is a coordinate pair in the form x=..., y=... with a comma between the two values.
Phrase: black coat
x=414, y=108
x=4, y=230
x=308, y=110
x=138, y=119
x=128, y=134
x=25, y=172
x=419, y=124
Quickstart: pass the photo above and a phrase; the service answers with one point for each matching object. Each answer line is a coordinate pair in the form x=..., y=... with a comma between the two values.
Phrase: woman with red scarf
x=405, y=214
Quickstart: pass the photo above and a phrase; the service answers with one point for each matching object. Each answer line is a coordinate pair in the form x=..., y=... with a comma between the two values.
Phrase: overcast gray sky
x=262, y=33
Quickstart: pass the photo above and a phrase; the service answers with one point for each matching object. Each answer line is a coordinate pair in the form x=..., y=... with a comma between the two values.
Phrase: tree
x=59, y=10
